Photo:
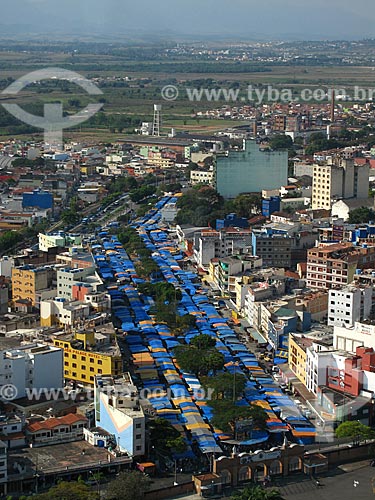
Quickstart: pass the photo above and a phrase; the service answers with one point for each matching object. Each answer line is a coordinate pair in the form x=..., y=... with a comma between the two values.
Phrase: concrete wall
x=170, y=491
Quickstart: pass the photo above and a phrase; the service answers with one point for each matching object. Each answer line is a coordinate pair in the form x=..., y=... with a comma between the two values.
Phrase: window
x=138, y=436
x=138, y=448
x=91, y=360
x=74, y=356
x=83, y=367
x=138, y=426
x=100, y=362
x=74, y=365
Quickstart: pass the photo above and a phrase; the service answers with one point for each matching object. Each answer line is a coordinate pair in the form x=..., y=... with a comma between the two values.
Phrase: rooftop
x=75, y=456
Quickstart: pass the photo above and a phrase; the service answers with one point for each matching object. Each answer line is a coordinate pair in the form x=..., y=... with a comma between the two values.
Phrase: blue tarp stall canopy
x=256, y=437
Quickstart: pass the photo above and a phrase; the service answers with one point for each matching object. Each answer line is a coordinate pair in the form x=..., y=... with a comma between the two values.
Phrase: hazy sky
x=304, y=18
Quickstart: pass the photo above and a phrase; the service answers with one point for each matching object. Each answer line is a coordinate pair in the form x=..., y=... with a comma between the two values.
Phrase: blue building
x=231, y=220
x=37, y=199
x=284, y=321
x=118, y=411
x=270, y=205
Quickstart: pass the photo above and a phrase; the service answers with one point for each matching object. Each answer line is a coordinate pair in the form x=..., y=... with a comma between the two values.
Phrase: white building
x=348, y=339
x=210, y=243
x=169, y=212
x=318, y=359
x=3, y=468
x=55, y=430
x=118, y=411
x=339, y=179
x=6, y=264
x=47, y=241
x=34, y=366
x=61, y=311
x=341, y=209
x=202, y=176
x=68, y=277
x=348, y=305
x=294, y=203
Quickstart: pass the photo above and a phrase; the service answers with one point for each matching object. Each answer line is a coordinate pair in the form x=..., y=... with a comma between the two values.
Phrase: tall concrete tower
x=333, y=106
x=157, y=120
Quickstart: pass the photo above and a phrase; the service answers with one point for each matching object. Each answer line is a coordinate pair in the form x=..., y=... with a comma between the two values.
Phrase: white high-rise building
x=348, y=305
x=341, y=179
x=35, y=366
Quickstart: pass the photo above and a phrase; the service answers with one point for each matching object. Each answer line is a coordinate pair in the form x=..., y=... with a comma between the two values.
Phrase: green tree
x=130, y=485
x=245, y=204
x=203, y=341
x=354, y=429
x=164, y=437
x=223, y=384
x=281, y=141
x=226, y=413
x=257, y=493
x=360, y=215
x=75, y=490
x=199, y=357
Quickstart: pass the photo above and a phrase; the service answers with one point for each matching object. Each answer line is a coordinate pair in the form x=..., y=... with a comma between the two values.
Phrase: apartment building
x=27, y=281
x=33, y=366
x=202, y=177
x=229, y=270
x=68, y=277
x=318, y=358
x=118, y=411
x=297, y=355
x=275, y=250
x=62, y=240
x=348, y=305
x=334, y=265
x=60, y=311
x=6, y=266
x=338, y=179
x=316, y=303
x=209, y=244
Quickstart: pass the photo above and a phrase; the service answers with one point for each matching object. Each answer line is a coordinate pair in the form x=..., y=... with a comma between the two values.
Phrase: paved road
x=338, y=484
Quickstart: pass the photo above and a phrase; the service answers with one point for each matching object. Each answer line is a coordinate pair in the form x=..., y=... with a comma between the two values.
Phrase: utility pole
x=175, y=483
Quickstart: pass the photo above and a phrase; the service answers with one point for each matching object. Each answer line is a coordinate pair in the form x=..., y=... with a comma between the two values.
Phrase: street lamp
x=97, y=482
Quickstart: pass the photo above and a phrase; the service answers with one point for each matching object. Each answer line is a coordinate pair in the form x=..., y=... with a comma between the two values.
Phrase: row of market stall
x=175, y=395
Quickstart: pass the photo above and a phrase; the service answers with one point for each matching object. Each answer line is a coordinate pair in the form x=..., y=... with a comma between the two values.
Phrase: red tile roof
x=51, y=423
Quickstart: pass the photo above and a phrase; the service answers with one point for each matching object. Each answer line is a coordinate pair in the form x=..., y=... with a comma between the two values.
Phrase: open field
x=131, y=102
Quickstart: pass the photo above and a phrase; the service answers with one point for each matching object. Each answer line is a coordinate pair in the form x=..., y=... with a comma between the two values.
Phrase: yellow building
x=85, y=357
x=297, y=355
x=27, y=281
